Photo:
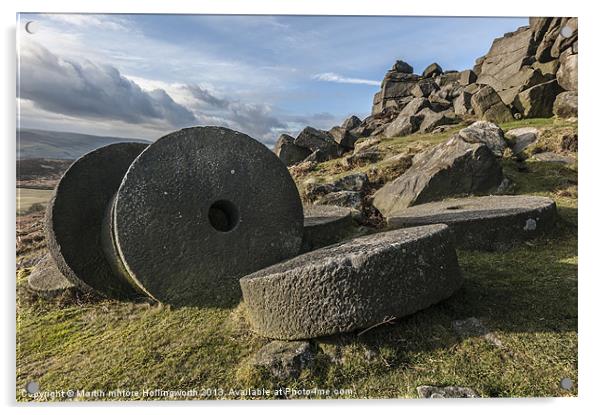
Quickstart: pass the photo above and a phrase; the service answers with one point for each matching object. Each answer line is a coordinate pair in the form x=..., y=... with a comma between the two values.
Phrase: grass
x=527, y=297
x=26, y=198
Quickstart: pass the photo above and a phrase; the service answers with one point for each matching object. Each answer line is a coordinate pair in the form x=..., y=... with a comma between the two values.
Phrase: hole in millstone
x=454, y=207
x=223, y=215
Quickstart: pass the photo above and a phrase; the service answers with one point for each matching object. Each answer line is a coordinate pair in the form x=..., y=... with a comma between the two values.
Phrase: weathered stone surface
x=351, y=123
x=488, y=105
x=75, y=215
x=537, y=101
x=567, y=72
x=344, y=198
x=487, y=133
x=523, y=138
x=403, y=67
x=448, y=78
x=566, y=104
x=489, y=222
x=46, y=279
x=355, y=182
x=353, y=285
x=467, y=77
x=433, y=392
x=325, y=225
x=451, y=168
x=315, y=140
x=424, y=88
x=432, y=119
x=432, y=70
x=284, y=360
x=288, y=152
x=438, y=103
x=551, y=157
x=200, y=208
x=363, y=156
x=523, y=79
x=343, y=137
x=414, y=107
x=402, y=126
x=462, y=104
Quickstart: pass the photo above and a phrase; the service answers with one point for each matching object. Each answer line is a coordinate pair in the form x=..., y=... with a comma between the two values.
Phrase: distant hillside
x=59, y=145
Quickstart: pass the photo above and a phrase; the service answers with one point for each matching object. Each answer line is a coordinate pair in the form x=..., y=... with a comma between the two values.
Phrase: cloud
x=85, y=89
x=333, y=77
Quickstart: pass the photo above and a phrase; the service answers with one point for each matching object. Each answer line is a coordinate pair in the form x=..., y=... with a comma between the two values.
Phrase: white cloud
x=333, y=77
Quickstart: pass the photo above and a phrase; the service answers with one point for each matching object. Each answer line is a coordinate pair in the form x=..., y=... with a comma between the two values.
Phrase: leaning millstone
x=284, y=360
x=200, y=208
x=325, y=225
x=488, y=222
x=353, y=285
x=432, y=392
x=75, y=216
x=46, y=279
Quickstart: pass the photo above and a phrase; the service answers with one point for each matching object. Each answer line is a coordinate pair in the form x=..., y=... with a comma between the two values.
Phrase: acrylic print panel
x=243, y=207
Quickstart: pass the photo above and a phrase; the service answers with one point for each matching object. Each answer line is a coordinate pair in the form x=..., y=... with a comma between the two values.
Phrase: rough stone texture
x=288, y=152
x=451, y=168
x=414, y=107
x=403, y=67
x=487, y=133
x=284, y=360
x=523, y=138
x=538, y=101
x=432, y=70
x=433, y=392
x=566, y=105
x=351, y=123
x=467, y=77
x=343, y=137
x=432, y=119
x=424, y=88
x=488, y=223
x=46, y=279
x=344, y=198
x=525, y=78
x=462, y=105
x=551, y=157
x=402, y=126
x=353, y=285
x=325, y=225
x=488, y=105
x=200, y=208
x=315, y=140
x=75, y=215
x=567, y=72
x=354, y=182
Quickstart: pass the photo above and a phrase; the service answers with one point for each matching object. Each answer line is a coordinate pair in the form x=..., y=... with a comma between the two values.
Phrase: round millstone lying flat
x=325, y=225
x=75, y=215
x=489, y=222
x=354, y=284
x=200, y=208
x=46, y=279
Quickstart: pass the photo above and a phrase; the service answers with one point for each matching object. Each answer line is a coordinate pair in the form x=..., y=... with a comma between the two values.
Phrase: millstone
x=489, y=222
x=200, y=208
x=46, y=279
x=354, y=284
x=75, y=214
x=325, y=225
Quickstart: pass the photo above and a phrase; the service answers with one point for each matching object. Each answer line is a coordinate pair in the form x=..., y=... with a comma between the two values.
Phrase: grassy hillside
x=527, y=297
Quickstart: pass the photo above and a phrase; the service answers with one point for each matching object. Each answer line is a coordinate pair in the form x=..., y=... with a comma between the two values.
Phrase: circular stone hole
x=223, y=215
x=453, y=207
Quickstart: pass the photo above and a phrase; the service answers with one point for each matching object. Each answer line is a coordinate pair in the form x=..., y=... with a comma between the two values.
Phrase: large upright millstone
x=74, y=219
x=489, y=222
x=200, y=208
x=353, y=285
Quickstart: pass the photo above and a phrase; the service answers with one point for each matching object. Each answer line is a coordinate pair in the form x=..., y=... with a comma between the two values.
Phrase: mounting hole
x=223, y=216
x=456, y=207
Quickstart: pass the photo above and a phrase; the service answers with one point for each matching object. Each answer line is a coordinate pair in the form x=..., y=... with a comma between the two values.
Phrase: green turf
x=526, y=296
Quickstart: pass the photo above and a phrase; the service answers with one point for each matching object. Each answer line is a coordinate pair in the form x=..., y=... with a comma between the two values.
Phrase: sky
x=144, y=76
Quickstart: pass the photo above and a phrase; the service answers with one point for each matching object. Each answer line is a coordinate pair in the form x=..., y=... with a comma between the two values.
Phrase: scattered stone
x=567, y=72
x=402, y=126
x=284, y=360
x=362, y=157
x=325, y=225
x=487, y=133
x=537, y=101
x=467, y=77
x=432, y=70
x=473, y=327
x=488, y=223
x=569, y=142
x=566, y=104
x=75, y=215
x=343, y=137
x=433, y=392
x=351, y=123
x=414, y=107
x=488, y=105
x=424, y=88
x=354, y=182
x=551, y=157
x=523, y=138
x=432, y=119
x=353, y=285
x=451, y=168
x=314, y=140
x=243, y=215
x=462, y=105
x=288, y=152
x=403, y=67
x=344, y=198
x=46, y=279
x=365, y=143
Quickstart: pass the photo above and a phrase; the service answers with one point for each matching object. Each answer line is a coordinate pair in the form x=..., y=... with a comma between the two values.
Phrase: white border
x=589, y=186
